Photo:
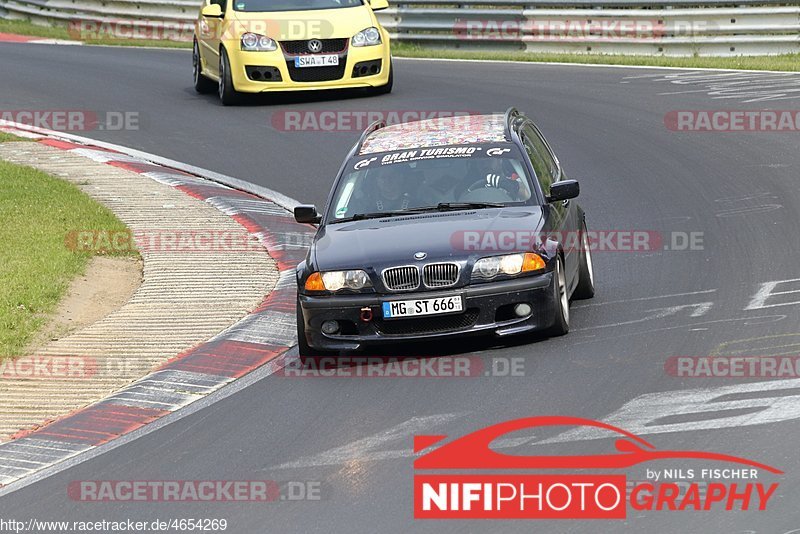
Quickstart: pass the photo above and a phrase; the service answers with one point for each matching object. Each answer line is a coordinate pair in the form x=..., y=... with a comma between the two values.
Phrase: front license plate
x=412, y=308
x=316, y=61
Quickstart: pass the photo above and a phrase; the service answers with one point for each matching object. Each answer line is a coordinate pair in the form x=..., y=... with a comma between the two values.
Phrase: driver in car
x=497, y=178
x=389, y=193
x=509, y=184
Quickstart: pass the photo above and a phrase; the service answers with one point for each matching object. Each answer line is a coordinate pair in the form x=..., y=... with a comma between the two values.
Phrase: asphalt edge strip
x=254, y=342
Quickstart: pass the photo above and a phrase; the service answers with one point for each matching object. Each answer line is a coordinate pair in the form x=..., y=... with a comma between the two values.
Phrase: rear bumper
x=488, y=310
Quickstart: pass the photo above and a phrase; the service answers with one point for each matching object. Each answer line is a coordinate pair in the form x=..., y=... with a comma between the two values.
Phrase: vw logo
x=420, y=255
x=315, y=45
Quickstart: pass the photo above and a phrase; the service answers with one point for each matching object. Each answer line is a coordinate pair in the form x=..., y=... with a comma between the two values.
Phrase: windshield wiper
x=442, y=206
x=447, y=206
x=374, y=215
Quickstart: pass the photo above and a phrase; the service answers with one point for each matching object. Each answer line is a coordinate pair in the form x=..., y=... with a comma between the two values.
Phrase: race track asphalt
x=354, y=435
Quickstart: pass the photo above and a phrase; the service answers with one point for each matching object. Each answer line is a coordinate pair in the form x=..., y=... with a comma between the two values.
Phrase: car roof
x=442, y=131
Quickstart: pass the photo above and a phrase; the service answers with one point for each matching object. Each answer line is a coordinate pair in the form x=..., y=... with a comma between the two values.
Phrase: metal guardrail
x=679, y=31
x=676, y=28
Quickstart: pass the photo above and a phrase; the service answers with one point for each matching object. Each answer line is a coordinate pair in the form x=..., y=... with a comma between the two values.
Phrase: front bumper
x=241, y=61
x=488, y=309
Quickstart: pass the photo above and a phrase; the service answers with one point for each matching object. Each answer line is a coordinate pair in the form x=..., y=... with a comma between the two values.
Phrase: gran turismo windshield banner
x=489, y=150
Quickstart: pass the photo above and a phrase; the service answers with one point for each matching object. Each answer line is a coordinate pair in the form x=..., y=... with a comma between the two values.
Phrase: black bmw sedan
x=445, y=227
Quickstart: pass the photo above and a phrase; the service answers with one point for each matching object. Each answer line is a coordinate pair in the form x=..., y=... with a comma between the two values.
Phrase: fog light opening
x=330, y=327
x=522, y=309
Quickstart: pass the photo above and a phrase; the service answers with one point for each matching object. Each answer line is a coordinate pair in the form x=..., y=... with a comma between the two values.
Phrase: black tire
x=560, y=300
x=385, y=89
x=585, y=287
x=202, y=85
x=227, y=92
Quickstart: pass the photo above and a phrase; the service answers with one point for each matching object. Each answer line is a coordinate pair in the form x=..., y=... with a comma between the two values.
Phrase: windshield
x=443, y=177
x=292, y=5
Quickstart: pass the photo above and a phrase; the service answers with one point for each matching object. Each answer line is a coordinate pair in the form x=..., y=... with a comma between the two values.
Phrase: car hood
x=381, y=243
x=319, y=23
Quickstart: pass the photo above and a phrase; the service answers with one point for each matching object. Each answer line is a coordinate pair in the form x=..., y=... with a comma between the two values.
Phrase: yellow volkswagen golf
x=256, y=46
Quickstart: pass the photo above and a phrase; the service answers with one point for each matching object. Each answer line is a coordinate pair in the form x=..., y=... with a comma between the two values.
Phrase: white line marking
x=766, y=291
x=639, y=299
x=699, y=310
x=748, y=321
x=644, y=414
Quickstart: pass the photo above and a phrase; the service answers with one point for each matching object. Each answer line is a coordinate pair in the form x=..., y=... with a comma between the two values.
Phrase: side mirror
x=307, y=214
x=377, y=5
x=564, y=190
x=212, y=11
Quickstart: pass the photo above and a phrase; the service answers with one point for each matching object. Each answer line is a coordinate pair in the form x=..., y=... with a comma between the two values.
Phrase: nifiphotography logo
x=504, y=494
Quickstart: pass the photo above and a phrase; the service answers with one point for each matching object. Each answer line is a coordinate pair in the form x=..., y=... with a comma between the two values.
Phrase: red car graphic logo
x=473, y=450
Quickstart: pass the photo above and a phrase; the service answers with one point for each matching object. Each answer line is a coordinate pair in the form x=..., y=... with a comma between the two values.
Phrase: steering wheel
x=477, y=185
x=485, y=194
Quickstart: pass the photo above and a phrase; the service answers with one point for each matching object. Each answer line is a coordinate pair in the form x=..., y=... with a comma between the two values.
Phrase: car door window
x=544, y=165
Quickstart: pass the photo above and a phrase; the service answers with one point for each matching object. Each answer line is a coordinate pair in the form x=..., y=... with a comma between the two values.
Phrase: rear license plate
x=316, y=61
x=411, y=308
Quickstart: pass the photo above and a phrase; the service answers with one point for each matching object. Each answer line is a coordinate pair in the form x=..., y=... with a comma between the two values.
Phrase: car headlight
x=510, y=264
x=370, y=36
x=336, y=280
x=253, y=42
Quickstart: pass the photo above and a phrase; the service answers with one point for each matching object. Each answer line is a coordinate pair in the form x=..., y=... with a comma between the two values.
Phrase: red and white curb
x=256, y=340
x=14, y=38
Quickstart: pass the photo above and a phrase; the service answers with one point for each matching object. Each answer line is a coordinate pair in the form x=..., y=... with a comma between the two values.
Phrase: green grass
x=21, y=27
x=8, y=137
x=37, y=212
x=788, y=62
